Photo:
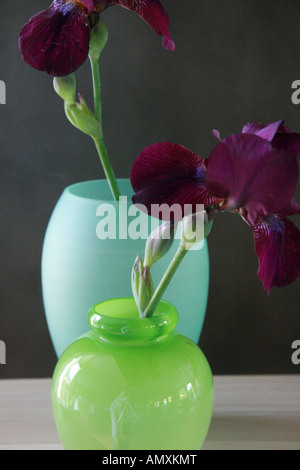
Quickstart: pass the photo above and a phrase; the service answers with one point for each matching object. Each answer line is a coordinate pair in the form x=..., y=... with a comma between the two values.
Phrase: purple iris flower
x=254, y=173
x=56, y=40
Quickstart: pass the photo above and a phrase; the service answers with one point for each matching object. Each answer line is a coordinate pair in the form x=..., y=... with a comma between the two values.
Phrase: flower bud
x=195, y=228
x=159, y=242
x=65, y=87
x=83, y=119
x=142, y=285
x=98, y=40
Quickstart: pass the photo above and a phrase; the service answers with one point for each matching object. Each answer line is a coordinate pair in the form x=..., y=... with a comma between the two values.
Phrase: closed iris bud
x=159, y=242
x=83, y=119
x=98, y=40
x=195, y=228
x=142, y=285
x=65, y=87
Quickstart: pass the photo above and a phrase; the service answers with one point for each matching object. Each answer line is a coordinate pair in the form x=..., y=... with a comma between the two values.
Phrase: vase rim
x=98, y=190
x=118, y=320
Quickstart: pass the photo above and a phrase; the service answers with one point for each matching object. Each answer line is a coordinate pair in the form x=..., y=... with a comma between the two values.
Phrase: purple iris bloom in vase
x=56, y=40
x=254, y=174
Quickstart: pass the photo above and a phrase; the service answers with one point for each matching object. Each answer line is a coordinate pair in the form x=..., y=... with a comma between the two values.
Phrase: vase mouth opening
x=99, y=190
x=118, y=320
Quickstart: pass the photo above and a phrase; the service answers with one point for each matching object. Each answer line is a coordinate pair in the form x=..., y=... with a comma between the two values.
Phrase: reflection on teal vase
x=79, y=269
x=132, y=384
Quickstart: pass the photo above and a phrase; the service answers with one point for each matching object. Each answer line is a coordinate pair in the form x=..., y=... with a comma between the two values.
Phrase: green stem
x=97, y=89
x=100, y=144
x=108, y=170
x=164, y=283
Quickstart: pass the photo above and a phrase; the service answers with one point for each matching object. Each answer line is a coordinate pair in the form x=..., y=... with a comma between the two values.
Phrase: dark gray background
x=235, y=62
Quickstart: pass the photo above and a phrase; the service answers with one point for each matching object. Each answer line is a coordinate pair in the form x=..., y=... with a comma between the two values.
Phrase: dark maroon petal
x=57, y=40
x=291, y=209
x=170, y=174
x=266, y=132
x=281, y=136
x=277, y=245
x=288, y=141
x=283, y=129
x=252, y=175
x=154, y=14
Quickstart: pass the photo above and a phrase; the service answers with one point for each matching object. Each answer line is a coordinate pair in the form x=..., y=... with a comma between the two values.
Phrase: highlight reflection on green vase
x=132, y=383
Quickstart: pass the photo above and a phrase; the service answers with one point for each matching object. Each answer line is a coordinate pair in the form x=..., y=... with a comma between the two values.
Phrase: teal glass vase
x=132, y=384
x=79, y=269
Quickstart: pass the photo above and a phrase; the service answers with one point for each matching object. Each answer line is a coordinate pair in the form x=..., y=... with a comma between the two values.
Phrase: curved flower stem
x=167, y=278
x=100, y=144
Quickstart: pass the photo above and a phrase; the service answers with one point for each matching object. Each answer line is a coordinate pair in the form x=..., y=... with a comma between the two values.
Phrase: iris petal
x=266, y=132
x=56, y=40
x=167, y=173
x=291, y=209
x=252, y=175
x=278, y=134
x=277, y=245
x=154, y=14
x=288, y=141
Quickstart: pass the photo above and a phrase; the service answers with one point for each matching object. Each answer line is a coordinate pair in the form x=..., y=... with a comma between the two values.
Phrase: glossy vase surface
x=79, y=269
x=132, y=384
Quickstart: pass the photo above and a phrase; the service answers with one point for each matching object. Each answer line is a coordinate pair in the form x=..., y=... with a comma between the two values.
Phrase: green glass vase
x=132, y=384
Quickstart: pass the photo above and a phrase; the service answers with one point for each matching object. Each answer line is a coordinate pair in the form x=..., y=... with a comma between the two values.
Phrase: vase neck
x=118, y=320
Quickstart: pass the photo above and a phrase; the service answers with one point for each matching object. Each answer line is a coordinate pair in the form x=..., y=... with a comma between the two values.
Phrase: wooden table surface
x=251, y=413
